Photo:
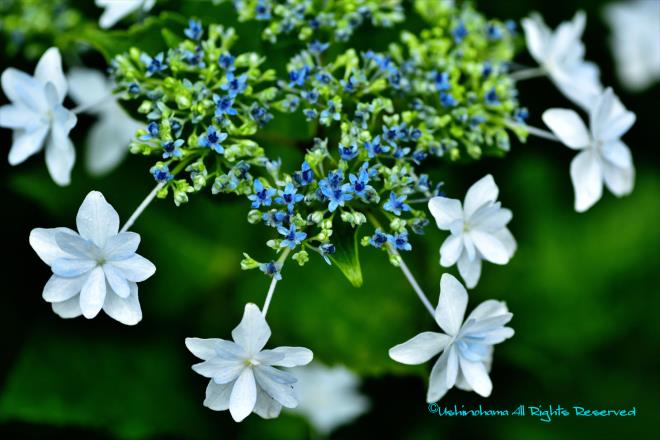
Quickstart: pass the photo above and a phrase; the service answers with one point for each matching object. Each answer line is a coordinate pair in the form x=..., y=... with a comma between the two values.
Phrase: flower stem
x=273, y=283
x=142, y=207
x=84, y=107
x=533, y=72
x=413, y=282
x=538, y=132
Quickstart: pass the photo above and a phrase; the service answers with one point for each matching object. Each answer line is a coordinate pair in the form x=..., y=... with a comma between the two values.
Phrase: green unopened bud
x=301, y=257
x=397, y=224
x=248, y=262
x=254, y=216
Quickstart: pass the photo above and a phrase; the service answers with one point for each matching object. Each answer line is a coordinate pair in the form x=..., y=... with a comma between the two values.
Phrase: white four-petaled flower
x=108, y=139
x=115, y=10
x=602, y=157
x=243, y=377
x=561, y=55
x=95, y=268
x=466, y=346
x=329, y=396
x=478, y=230
x=635, y=41
x=37, y=116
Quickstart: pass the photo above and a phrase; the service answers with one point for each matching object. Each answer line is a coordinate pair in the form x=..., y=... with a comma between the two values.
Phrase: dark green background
x=583, y=289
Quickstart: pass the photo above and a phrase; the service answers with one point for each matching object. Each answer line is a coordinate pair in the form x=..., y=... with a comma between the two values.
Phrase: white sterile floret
x=115, y=10
x=478, y=230
x=243, y=377
x=635, y=41
x=108, y=139
x=603, y=156
x=95, y=268
x=561, y=54
x=37, y=115
x=466, y=346
x=329, y=396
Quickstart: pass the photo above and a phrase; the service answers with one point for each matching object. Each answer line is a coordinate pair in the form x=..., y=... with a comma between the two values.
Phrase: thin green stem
x=273, y=283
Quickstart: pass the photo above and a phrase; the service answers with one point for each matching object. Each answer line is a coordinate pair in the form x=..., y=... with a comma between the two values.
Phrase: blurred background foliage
x=583, y=288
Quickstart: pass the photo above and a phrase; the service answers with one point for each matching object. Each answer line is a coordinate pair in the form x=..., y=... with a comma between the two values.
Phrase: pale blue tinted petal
x=283, y=393
x=43, y=242
x=72, y=267
x=208, y=348
x=59, y=161
x=293, y=356
x=125, y=310
x=93, y=293
x=59, y=289
x=419, y=349
x=266, y=407
x=97, y=220
x=25, y=90
x=74, y=245
x=452, y=304
x=481, y=192
x=17, y=116
x=117, y=281
x=135, y=268
x=476, y=376
x=252, y=332
x=49, y=70
x=26, y=143
x=217, y=396
x=69, y=308
x=121, y=246
x=243, y=396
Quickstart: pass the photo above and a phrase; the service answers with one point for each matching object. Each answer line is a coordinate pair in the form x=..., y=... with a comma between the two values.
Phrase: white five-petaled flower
x=602, y=157
x=329, y=396
x=115, y=10
x=467, y=347
x=243, y=377
x=561, y=55
x=95, y=268
x=635, y=41
x=37, y=116
x=478, y=230
x=108, y=139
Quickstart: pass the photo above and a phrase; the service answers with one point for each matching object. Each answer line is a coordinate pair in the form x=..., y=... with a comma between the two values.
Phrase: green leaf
x=149, y=35
x=346, y=257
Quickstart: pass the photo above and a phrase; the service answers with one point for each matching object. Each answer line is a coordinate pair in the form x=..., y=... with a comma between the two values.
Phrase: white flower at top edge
x=242, y=373
x=466, y=346
x=108, y=139
x=115, y=10
x=329, y=396
x=37, y=116
x=478, y=230
x=561, y=54
x=95, y=268
x=603, y=157
x=635, y=41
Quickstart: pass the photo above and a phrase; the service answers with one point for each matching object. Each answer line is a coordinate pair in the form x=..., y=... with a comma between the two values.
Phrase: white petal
x=49, y=69
x=221, y=371
x=587, y=179
x=93, y=293
x=209, y=348
x=25, y=90
x=116, y=10
x=59, y=289
x=17, y=116
x=136, y=268
x=488, y=309
x=293, y=356
x=26, y=143
x=450, y=250
x=59, y=160
x=618, y=125
x=419, y=349
x=268, y=381
x=87, y=87
x=452, y=304
x=490, y=247
x=438, y=379
x=481, y=192
x=568, y=127
x=107, y=143
x=452, y=367
x=580, y=83
x=97, y=220
x=69, y=308
x=445, y=211
x=266, y=407
x=44, y=244
x=252, y=332
x=470, y=270
x=618, y=154
x=125, y=310
x=476, y=376
x=506, y=238
x=243, y=396
x=217, y=396
x=72, y=267
x=121, y=246
x=116, y=280
x=495, y=219
x=619, y=180
x=74, y=245
x=498, y=335
x=537, y=36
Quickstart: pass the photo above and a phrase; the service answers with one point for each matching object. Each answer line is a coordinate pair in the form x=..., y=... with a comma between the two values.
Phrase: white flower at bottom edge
x=329, y=396
x=603, y=157
x=115, y=10
x=108, y=139
x=466, y=347
x=243, y=377
x=478, y=230
x=95, y=268
x=37, y=116
x=561, y=54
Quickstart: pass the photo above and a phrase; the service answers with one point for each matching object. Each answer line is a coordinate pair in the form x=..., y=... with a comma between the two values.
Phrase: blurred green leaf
x=346, y=257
